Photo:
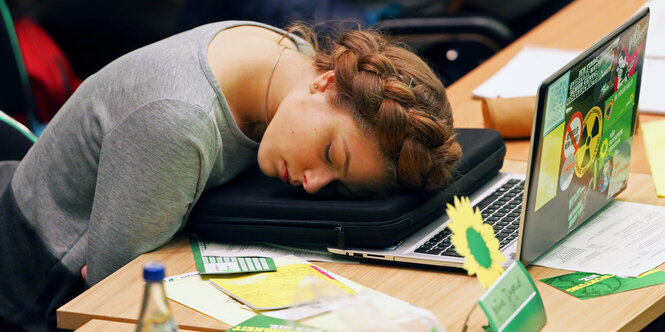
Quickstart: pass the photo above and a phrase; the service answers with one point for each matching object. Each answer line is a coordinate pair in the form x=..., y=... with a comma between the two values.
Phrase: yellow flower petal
x=466, y=222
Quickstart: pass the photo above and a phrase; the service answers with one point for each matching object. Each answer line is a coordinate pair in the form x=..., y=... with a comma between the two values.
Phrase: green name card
x=513, y=303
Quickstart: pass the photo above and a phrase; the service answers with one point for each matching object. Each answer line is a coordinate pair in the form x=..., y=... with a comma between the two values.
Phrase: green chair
x=16, y=138
x=15, y=94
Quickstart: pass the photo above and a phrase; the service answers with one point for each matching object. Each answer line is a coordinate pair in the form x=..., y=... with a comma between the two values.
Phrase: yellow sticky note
x=274, y=290
x=549, y=166
x=654, y=143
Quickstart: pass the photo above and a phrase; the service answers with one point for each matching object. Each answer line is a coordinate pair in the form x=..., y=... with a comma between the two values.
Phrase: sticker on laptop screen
x=605, y=174
x=620, y=167
x=577, y=204
x=591, y=134
x=573, y=136
x=587, y=77
x=550, y=161
x=567, y=171
x=605, y=84
x=617, y=128
x=555, y=109
x=608, y=109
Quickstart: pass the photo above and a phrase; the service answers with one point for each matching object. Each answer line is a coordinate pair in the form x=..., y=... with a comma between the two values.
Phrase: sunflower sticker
x=475, y=241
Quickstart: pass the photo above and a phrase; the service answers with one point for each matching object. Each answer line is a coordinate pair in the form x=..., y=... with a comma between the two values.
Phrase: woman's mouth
x=284, y=173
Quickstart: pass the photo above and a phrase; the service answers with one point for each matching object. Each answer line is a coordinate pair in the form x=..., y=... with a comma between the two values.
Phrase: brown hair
x=398, y=97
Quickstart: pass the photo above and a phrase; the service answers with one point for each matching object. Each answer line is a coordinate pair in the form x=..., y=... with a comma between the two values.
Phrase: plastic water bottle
x=156, y=315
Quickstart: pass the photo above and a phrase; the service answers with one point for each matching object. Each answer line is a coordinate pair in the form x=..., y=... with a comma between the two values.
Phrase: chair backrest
x=16, y=97
x=16, y=139
x=452, y=45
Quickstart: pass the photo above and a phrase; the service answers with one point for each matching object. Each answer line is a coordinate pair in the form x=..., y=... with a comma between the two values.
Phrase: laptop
x=579, y=158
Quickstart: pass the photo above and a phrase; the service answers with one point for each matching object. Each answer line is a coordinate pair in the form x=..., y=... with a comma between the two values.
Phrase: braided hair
x=396, y=96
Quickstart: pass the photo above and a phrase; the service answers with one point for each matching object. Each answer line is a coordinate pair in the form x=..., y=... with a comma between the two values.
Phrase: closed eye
x=327, y=154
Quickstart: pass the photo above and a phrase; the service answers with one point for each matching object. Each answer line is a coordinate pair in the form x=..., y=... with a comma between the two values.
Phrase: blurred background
x=454, y=36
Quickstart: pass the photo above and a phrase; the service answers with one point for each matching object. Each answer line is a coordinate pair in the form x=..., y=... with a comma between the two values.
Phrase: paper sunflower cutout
x=475, y=241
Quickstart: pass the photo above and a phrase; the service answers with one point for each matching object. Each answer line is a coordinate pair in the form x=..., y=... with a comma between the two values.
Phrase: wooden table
x=448, y=294
x=97, y=325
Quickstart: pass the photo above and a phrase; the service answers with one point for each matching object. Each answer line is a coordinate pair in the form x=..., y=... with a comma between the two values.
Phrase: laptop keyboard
x=501, y=209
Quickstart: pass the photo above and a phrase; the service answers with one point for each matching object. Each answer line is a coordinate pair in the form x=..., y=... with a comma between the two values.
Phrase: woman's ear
x=322, y=82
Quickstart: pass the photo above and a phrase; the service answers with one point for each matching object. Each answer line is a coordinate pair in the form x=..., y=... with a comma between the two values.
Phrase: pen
x=181, y=276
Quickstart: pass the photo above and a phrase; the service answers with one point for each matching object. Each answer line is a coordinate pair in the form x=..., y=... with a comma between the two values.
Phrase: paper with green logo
x=585, y=285
x=269, y=324
x=227, y=265
x=513, y=303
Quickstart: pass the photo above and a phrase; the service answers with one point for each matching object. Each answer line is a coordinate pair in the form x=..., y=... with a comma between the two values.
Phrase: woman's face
x=311, y=143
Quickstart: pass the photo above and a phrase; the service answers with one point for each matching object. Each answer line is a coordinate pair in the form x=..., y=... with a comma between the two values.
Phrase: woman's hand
x=84, y=270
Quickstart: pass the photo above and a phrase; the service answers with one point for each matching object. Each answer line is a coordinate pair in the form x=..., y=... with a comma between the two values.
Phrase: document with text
x=624, y=239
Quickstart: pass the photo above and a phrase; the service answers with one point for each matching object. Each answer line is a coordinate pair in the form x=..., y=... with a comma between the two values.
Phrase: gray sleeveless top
x=117, y=171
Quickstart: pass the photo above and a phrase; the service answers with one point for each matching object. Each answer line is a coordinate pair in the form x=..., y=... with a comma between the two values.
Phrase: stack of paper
x=623, y=239
x=260, y=291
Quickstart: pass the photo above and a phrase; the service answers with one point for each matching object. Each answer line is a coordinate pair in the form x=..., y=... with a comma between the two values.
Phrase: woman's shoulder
x=254, y=34
x=257, y=33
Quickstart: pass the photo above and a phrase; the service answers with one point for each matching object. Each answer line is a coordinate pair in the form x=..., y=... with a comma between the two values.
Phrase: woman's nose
x=314, y=180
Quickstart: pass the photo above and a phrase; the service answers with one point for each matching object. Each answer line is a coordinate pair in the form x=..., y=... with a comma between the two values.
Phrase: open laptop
x=579, y=157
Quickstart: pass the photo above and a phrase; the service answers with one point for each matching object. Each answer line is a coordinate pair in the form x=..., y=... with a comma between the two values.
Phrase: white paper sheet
x=201, y=296
x=654, y=65
x=624, y=239
x=656, y=36
x=651, y=99
x=361, y=310
x=522, y=75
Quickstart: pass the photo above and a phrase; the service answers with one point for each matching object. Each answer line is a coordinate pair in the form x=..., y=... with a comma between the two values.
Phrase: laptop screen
x=582, y=137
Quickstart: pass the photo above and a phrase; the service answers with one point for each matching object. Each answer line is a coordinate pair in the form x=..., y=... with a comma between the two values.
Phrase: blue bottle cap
x=153, y=271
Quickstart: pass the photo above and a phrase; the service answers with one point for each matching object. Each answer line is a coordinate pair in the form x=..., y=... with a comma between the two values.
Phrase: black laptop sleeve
x=253, y=207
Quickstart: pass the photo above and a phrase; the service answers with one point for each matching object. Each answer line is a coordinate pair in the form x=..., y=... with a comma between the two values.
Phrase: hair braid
x=399, y=99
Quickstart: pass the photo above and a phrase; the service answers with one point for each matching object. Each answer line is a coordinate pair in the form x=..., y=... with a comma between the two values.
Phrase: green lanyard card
x=513, y=303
